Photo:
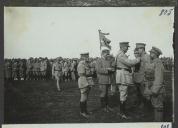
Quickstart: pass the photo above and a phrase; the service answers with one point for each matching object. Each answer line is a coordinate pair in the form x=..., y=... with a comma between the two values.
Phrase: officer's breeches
x=104, y=90
x=157, y=102
x=84, y=93
x=123, y=92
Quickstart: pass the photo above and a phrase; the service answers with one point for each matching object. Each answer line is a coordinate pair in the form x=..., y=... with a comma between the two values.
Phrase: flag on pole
x=104, y=42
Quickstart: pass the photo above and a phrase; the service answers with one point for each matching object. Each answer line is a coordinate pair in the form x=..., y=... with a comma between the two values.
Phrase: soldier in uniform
x=8, y=70
x=123, y=74
x=111, y=58
x=22, y=70
x=154, y=89
x=104, y=71
x=29, y=69
x=38, y=68
x=135, y=70
x=84, y=83
x=43, y=69
x=73, y=64
x=57, y=72
x=49, y=74
x=15, y=69
x=35, y=69
x=139, y=76
x=65, y=71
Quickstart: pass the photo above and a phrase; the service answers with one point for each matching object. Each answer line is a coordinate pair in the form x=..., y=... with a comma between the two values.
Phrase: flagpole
x=99, y=38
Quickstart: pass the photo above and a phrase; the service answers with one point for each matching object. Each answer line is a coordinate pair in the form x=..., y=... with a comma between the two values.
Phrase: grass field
x=40, y=102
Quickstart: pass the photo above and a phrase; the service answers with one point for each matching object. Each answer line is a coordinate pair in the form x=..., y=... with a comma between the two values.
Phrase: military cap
x=156, y=50
x=140, y=45
x=123, y=44
x=84, y=54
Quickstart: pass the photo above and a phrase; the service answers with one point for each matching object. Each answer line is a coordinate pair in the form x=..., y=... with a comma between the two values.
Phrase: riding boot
x=83, y=110
x=102, y=101
x=158, y=114
x=103, y=104
x=86, y=110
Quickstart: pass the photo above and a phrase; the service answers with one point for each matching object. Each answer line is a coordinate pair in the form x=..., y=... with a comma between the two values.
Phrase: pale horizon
x=67, y=32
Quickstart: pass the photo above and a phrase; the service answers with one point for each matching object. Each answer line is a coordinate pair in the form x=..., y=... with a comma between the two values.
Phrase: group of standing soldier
x=39, y=69
x=22, y=69
x=145, y=72
x=64, y=71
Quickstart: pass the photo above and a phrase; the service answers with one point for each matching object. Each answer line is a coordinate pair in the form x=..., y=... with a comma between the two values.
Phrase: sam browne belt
x=129, y=70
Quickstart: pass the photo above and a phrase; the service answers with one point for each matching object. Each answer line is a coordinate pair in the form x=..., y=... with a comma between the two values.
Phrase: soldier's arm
x=100, y=69
x=129, y=62
x=157, y=84
x=53, y=67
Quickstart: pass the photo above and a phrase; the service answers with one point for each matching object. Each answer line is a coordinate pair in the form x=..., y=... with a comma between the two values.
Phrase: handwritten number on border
x=165, y=126
x=165, y=12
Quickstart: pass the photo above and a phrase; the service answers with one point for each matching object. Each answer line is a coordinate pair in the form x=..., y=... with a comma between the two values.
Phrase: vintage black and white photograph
x=88, y=65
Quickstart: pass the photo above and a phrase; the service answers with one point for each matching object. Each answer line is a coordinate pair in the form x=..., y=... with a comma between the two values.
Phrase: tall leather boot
x=122, y=110
x=83, y=110
x=102, y=101
x=107, y=104
x=106, y=100
x=158, y=115
x=81, y=107
x=122, y=107
x=103, y=104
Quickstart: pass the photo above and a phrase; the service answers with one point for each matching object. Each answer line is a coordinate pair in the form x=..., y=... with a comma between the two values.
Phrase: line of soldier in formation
x=145, y=72
x=39, y=69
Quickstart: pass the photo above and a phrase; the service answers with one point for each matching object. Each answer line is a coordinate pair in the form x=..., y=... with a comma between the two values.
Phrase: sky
x=68, y=31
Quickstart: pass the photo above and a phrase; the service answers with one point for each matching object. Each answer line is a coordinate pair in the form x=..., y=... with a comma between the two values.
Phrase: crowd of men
x=41, y=68
x=145, y=72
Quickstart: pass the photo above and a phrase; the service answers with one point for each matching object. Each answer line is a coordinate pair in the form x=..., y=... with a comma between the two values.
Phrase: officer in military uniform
x=154, y=89
x=84, y=83
x=139, y=76
x=124, y=75
x=104, y=71
x=57, y=72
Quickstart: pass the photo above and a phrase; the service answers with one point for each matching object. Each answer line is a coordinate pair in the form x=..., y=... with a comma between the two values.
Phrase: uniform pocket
x=128, y=77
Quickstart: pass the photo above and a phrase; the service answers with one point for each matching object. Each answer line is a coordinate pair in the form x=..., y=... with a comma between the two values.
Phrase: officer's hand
x=110, y=69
